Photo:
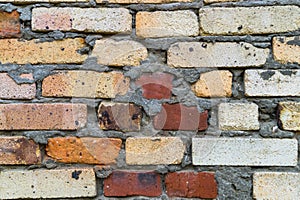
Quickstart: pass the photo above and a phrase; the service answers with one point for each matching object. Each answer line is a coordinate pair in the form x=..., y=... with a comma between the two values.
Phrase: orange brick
x=9, y=24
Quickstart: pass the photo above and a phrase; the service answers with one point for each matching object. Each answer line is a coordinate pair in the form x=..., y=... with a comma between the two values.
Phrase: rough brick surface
x=101, y=20
x=133, y=183
x=156, y=85
x=154, y=150
x=248, y=20
x=272, y=83
x=191, y=185
x=166, y=24
x=119, y=53
x=244, y=152
x=9, y=24
x=9, y=89
x=85, y=84
x=58, y=183
x=42, y=116
x=18, y=151
x=276, y=185
x=120, y=116
x=84, y=150
x=213, y=84
x=232, y=116
x=36, y=51
x=286, y=49
x=219, y=1
x=141, y=1
x=289, y=115
x=180, y=117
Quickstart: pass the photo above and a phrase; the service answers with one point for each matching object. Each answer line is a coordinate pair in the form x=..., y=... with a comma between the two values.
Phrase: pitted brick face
x=10, y=24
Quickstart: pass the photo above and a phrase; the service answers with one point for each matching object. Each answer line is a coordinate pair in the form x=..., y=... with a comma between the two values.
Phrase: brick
x=154, y=150
x=244, y=152
x=41, y=1
x=58, y=183
x=286, y=49
x=156, y=85
x=84, y=150
x=124, y=117
x=9, y=89
x=133, y=183
x=289, y=115
x=180, y=117
x=19, y=151
x=141, y=1
x=166, y=24
x=10, y=24
x=219, y=54
x=59, y=116
x=232, y=116
x=276, y=185
x=88, y=84
x=119, y=53
x=191, y=185
x=213, y=84
x=247, y=20
x=272, y=83
x=99, y=20
x=38, y=52
x=219, y=1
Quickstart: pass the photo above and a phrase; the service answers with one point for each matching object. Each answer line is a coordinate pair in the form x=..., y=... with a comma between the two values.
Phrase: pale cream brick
x=57, y=183
x=119, y=53
x=276, y=185
x=289, y=115
x=249, y=20
x=272, y=82
x=244, y=152
x=238, y=116
x=166, y=24
x=219, y=54
x=286, y=49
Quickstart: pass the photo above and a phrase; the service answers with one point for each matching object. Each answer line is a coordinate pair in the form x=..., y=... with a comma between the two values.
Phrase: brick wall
x=149, y=99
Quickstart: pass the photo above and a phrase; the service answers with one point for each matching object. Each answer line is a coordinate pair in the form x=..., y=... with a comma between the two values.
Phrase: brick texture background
x=149, y=99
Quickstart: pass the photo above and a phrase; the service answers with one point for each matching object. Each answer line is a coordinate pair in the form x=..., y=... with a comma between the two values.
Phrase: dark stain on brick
x=76, y=174
x=287, y=72
x=146, y=179
x=267, y=75
x=295, y=42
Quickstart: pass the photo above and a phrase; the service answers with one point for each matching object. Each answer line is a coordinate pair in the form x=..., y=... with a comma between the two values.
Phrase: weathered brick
x=133, y=183
x=289, y=115
x=9, y=24
x=276, y=185
x=100, y=20
x=9, y=89
x=272, y=82
x=232, y=116
x=63, y=116
x=119, y=116
x=166, y=24
x=119, y=53
x=219, y=54
x=84, y=150
x=180, y=117
x=244, y=152
x=156, y=85
x=18, y=151
x=286, y=49
x=58, y=183
x=89, y=84
x=247, y=20
x=213, y=84
x=141, y=1
x=154, y=151
x=38, y=52
x=191, y=185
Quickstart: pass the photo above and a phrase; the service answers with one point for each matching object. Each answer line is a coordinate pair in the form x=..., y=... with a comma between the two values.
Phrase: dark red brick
x=180, y=117
x=156, y=86
x=9, y=24
x=133, y=183
x=191, y=185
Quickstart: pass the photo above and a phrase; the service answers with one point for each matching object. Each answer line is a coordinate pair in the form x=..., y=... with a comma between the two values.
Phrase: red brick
x=191, y=185
x=156, y=86
x=19, y=151
x=180, y=117
x=132, y=183
x=9, y=24
x=57, y=116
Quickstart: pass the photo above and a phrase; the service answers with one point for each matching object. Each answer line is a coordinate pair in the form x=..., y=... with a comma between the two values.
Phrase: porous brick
x=286, y=49
x=289, y=115
x=9, y=24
